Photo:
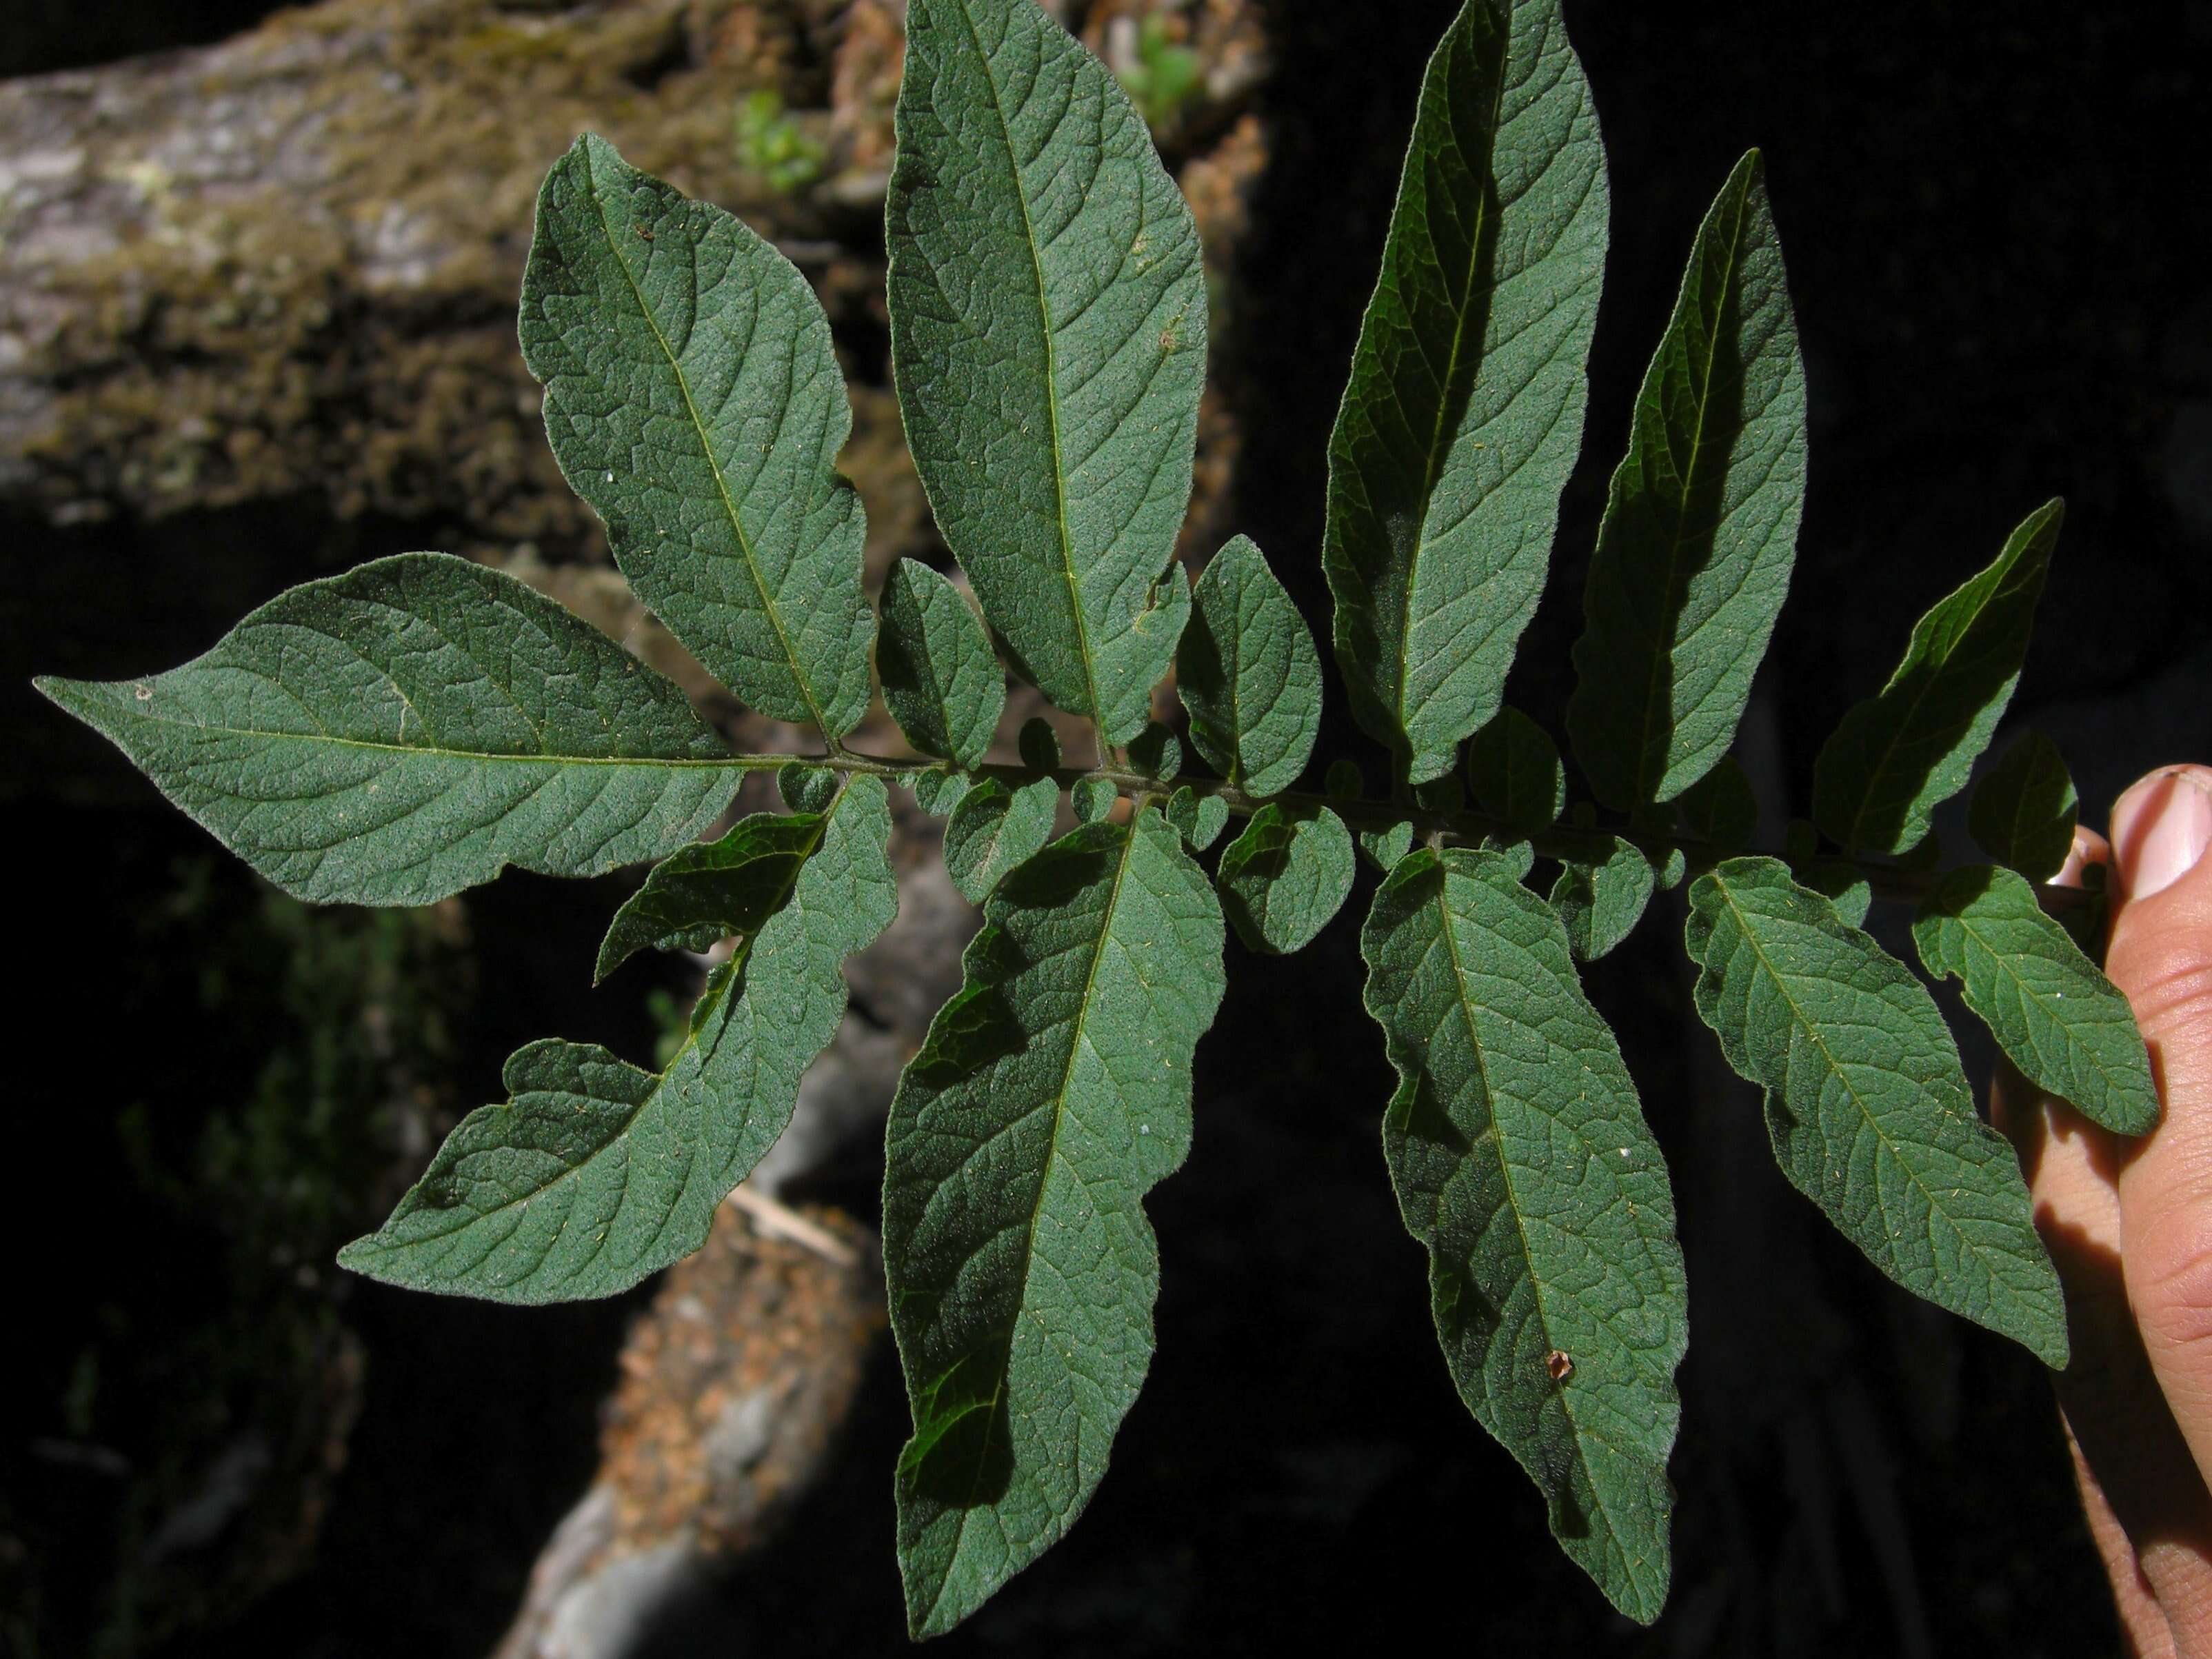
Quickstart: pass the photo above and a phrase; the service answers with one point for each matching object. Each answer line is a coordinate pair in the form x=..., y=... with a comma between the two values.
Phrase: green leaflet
x=1517, y=858
x=708, y=892
x=995, y=828
x=1248, y=673
x=2059, y=1019
x=941, y=679
x=805, y=788
x=1524, y=1165
x=1513, y=768
x=1700, y=530
x=1285, y=877
x=1464, y=410
x=937, y=792
x=692, y=398
x=596, y=1174
x=1866, y=1104
x=1838, y=881
x=1092, y=799
x=2023, y=811
x=1053, y=1092
x=1386, y=846
x=1038, y=744
x=1048, y=316
x=411, y=728
x=1155, y=751
x=1601, y=903
x=1720, y=808
x=1198, y=819
x=1899, y=755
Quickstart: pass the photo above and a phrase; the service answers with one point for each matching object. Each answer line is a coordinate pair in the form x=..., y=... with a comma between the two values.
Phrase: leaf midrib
x=1835, y=1069
x=1665, y=655
x=1467, y=1004
x=2000, y=574
x=750, y=559
x=474, y=757
x=660, y=1077
x=2029, y=997
x=1052, y=1152
x=1432, y=462
x=1097, y=709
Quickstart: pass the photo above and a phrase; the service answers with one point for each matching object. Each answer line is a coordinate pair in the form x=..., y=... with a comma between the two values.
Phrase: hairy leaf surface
x=1600, y=901
x=993, y=829
x=1464, y=410
x=1048, y=316
x=692, y=398
x=1720, y=808
x=1513, y=768
x=1899, y=755
x=595, y=1174
x=1053, y=1092
x=1841, y=883
x=2023, y=811
x=411, y=728
x=1248, y=673
x=701, y=894
x=938, y=792
x=1384, y=847
x=1701, y=531
x=1198, y=819
x=941, y=679
x=1286, y=875
x=1866, y=1104
x=1524, y=1165
x=2057, y=1017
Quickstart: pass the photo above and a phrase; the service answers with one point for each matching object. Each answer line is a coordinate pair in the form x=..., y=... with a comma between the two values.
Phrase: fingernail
x=2160, y=828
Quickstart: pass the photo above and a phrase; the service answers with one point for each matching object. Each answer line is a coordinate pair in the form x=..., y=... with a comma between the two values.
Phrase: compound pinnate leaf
x=692, y=398
x=2023, y=811
x=1600, y=901
x=1513, y=768
x=2055, y=1015
x=1700, y=530
x=411, y=728
x=1053, y=1092
x=941, y=679
x=1464, y=410
x=1899, y=755
x=701, y=894
x=595, y=1174
x=1285, y=877
x=993, y=829
x=1866, y=1103
x=1524, y=1165
x=1248, y=673
x=1048, y=313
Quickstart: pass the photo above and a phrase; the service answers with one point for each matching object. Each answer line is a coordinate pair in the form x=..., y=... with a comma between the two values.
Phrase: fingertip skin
x=2161, y=955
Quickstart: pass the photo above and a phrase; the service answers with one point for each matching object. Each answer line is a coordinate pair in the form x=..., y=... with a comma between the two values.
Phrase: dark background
x=1994, y=220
